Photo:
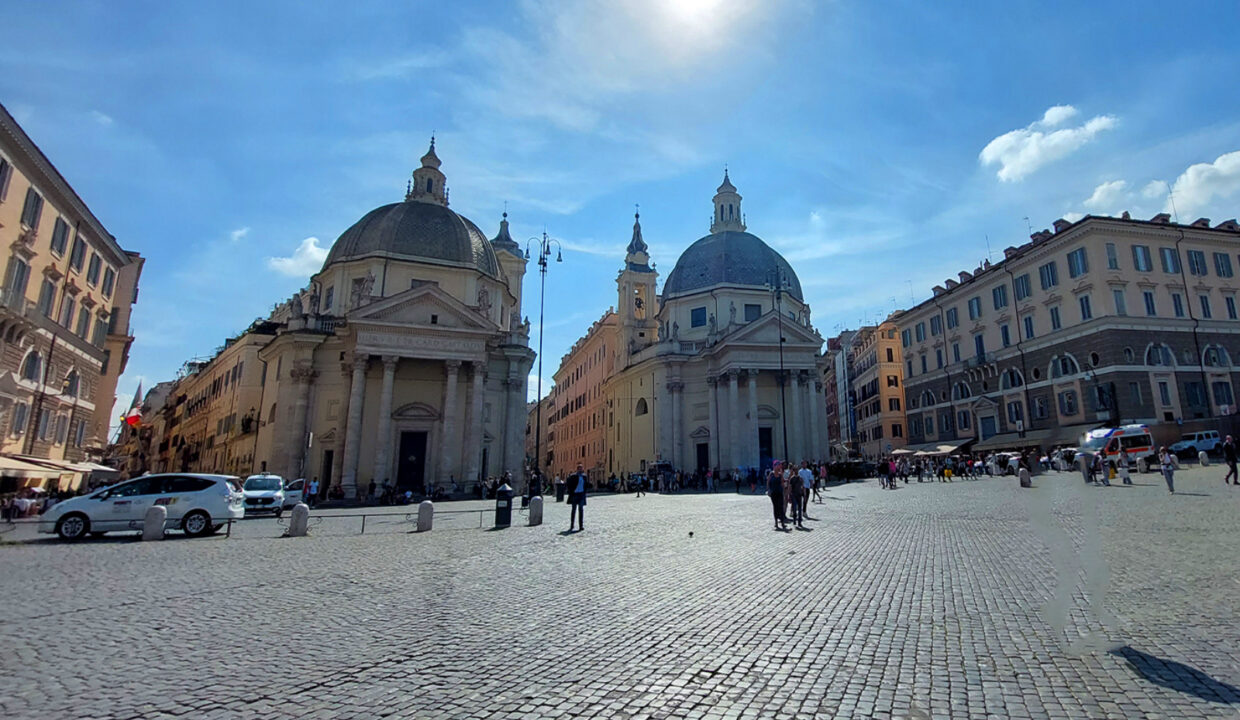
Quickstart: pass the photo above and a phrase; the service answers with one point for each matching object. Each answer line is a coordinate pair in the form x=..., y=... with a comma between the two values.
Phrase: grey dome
x=729, y=257
x=414, y=230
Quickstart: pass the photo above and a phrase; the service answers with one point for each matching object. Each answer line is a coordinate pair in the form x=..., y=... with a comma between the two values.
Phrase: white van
x=198, y=504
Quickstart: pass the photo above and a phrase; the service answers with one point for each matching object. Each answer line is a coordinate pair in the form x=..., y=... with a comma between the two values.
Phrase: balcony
x=980, y=360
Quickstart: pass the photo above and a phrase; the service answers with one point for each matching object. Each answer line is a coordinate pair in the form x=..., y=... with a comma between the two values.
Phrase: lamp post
x=544, y=253
x=777, y=282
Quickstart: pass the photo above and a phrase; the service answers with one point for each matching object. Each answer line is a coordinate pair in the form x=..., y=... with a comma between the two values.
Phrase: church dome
x=729, y=257
x=413, y=230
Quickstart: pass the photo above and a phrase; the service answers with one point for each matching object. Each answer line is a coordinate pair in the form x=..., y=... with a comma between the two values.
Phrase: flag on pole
x=133, y=416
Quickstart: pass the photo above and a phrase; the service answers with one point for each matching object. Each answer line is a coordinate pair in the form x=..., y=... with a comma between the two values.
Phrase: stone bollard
x=426, y=515
x=153, y=522
x=536, y=509
x=299, y=522
x=1025, y=480
x=1175, y=461
x=1143, y=465
x=1203, y=458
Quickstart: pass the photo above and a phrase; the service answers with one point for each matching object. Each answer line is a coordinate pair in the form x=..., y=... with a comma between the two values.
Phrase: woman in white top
x=1168, y=468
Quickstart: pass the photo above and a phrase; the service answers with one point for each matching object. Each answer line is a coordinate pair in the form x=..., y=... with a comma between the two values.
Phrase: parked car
x=1194, y=442
x=264, y=493
x=197, y=504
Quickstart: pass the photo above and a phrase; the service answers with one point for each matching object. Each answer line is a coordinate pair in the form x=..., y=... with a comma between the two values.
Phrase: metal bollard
x=1025, y=480
x=299, y=523
x=1203, y=458
x=536, y=510
x=426, y=516
x=153, y=522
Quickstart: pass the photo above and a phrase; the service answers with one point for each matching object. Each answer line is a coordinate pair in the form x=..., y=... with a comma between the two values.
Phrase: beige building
x=64, y=311
x=578, y=395
x=405, y=361
x=877, y=389
x=1098, y=322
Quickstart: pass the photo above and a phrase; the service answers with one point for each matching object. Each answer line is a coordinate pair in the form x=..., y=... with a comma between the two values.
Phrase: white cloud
x=1203, y=182
x=1073, y=216
x=395, y=68
x=238, y=234
x=1020, y=152
x=1154, y=190
x=1107, y=196
x=305, y=260
x=101, y=118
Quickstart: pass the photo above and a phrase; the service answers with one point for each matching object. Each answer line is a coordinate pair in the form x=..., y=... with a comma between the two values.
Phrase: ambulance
x=1136, y=439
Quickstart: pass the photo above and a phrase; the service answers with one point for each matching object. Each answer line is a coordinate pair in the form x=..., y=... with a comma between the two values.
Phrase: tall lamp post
x=777, y=282
x=544, y=253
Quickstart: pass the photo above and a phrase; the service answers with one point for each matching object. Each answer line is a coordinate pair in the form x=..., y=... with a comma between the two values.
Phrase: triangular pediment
x=765, y=330
x=700, y=434
x=423, y=306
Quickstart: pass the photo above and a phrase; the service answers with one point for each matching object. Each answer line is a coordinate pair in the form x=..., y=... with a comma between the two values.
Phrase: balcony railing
x=979, y=360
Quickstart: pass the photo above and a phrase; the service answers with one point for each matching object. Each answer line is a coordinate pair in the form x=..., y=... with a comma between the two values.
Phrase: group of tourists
x=893, y=469
x=790, y=491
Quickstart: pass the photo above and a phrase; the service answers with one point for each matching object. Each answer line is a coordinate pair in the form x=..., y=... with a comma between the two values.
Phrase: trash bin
x=559, y=491
x=503, y=506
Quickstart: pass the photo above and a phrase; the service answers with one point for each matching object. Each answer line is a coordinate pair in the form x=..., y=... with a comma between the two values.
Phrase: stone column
x=353, y=436
x=737, y=422
x=383, y=443
x=514, y=424
x=346, y=369
x=677, y=432
x=447, y=463
x=795, y=418
x=712, y=400
x=750, y=446
x=816, y=418
x=296, y=438
x=473, y=424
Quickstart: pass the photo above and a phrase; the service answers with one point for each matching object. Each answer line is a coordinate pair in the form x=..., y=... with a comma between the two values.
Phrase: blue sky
x=878, y=145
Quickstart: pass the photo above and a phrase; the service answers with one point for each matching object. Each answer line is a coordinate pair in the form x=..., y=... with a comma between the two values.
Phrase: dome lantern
x=429, y=184
x=727, y=208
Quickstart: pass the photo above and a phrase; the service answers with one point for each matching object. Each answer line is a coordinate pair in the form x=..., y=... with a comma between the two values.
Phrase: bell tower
x=637, y=303
x=727, y=208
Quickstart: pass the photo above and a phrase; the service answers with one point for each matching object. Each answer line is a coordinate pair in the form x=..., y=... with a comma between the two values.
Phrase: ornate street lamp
x=777, y=282
x=544, y=253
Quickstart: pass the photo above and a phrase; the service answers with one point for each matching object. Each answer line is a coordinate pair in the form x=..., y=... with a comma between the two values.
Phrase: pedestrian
x=314, y=493
x=796, y=488
x=370, y=491
x=577, y=499
x=818, y=480
x=807, y=484
x=1168, y=468
x=1123, y=463
x=775, y=488
x=1229, y=457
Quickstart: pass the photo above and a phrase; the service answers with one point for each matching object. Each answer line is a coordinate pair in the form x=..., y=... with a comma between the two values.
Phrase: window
x=1222, y=265
x=73, y=383
x=60, y=236
x=891, y=356
x=1015, y=412
x=923, y=365
x=62, y=429
x=1086, y=311
x=1222, y=392
x=1196, y=262
x=1177, y=304
x=328, y=297
x=936, y=325
x=897, y=430
x=92, y=272
x=1112, y=258
x=83, y=324
x=955, y=352
x=66, y=312
x=1134, y=392
x=78, y=255
x=1170, y=260
x=1148, y=295
x=753, y=311
x=1011, y=378
x=909, y=370
x=1159, y=355
x=979, y=346
x=109, y=282
x=642, y=408
x=1028, y=327
x=975, y=308
x=1039, y=408
x=17, y=276
x=1164, y=393
x=929, y=424
x=6, y=172
x=100, y=333
x=962, y=419
x=1142, y=261
x=1078, y=264
x=21, y=413
x=33, y=209
x=1216, y=356
x=1055, y=318
x=953, y=318
x=1005, y=334
x=919, y=332
x=44, y=427
x=1049, y=275
x=1230, y=301
x=999, y=295
x=1067, y=402
x=1021, y=288
x=79, y=438
x=697, y=317
x=893, y=381
x=1121, y=307
x=893, y=404
x=47, y=297
x=938, y=357
x=1064, y=365
x=961, y=391
x=906, y=337
x=1195, y=393
x=1205, y=306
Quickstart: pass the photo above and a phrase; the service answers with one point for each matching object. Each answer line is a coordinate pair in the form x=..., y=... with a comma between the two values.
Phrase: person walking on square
x=1168, y=468
x=313, y=497
x=1229, y=457
x=641, y=486
x=577, y=499
x=796, y=488
x=775, y=488
x=1123, y=462
x=806, y=478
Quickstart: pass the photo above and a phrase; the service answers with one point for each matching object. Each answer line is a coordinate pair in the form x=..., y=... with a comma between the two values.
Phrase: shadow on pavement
x=1178, y=676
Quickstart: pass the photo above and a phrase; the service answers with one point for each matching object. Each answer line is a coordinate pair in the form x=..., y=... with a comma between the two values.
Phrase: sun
x=692, y=11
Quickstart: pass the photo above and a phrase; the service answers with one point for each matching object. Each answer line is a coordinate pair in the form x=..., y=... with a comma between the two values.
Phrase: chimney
x=985, y=264
x=1161, y=219
x=1125, y=216
x=1009, y=251
x=1201, y=222
x=965, y=276
x=1061, y=225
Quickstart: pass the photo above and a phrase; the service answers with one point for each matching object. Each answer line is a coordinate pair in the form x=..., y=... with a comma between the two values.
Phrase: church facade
x=403, y=362
x=694, y=373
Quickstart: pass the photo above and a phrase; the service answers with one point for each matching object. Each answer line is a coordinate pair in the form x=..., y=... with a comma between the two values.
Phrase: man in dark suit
x=577, y=498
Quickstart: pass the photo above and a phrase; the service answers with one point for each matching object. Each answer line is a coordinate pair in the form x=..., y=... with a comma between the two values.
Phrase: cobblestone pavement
x=966, y=600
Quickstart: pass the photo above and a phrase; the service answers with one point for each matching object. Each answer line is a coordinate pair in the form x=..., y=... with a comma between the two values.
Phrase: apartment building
x=1096, y=322
x=876, y=387
x=580, y=415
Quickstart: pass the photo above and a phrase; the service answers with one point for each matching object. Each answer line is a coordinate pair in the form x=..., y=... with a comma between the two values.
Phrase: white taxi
x=264, y=492
x=198, y=504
